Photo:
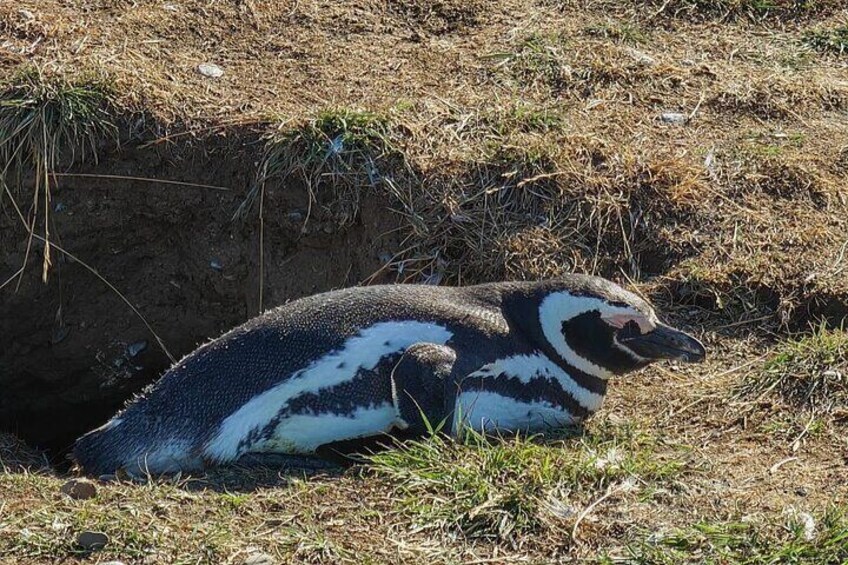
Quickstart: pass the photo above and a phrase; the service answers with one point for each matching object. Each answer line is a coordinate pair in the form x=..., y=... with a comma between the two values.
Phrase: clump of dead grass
x=335, y=156
x=754, y=10
x=16, y=456
x=729, y=10
x=444, y=16
x=780, y=98
x=47, y=120
x=533, y=206
x=725, y=291
x=23, y=24
x=537, y=59
x=810, y=373
x=751, y=9
x=782, y=167
x=562, y=65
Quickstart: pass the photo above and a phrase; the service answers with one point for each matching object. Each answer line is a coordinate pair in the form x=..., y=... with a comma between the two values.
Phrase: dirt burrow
x=71, y=352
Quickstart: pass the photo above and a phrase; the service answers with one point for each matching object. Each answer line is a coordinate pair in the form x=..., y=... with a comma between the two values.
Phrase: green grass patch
x=521, y=118
x=755, y=10
x=811, y=372
x=798, y=538
x=334, y=156
x=828, y=40
x=500, y=489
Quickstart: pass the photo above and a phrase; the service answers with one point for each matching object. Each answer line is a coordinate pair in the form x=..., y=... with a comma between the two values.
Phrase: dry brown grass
x=17, y=457
x=516, y=139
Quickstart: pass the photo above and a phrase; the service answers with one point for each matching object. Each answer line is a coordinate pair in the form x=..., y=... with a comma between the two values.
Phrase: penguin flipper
x=418, y=386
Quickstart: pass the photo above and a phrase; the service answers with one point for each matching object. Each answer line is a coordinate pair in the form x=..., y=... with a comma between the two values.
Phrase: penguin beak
x=665, y=342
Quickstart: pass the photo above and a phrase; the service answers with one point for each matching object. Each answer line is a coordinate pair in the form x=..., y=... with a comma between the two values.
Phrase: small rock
x=295, y=216
x=216, y=265
x=79, y=489
x=674, y=118
x=210, y=70
x=642, y=58
x=92, y=541
x=59, y=207
x=27, y=15
x=809, y=524
x=260, y=559
x=135, y=349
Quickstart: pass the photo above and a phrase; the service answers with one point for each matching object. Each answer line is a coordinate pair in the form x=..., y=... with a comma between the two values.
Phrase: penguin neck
x=586, y=380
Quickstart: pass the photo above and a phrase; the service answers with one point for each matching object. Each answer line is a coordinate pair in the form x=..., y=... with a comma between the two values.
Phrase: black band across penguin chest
x=525, y=391
x=533, y=387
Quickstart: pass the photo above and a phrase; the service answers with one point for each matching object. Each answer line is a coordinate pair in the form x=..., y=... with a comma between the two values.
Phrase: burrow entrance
x=72, y=352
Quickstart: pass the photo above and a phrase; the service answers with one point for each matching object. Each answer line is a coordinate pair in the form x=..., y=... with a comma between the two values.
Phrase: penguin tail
x=102, y=451
x=127, y=443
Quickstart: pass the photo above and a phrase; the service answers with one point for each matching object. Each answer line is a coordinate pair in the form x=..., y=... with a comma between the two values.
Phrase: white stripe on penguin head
x=559, y=307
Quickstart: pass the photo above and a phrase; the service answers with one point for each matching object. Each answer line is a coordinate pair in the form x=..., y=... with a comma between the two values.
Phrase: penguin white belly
x=490, y=411
x=303, y=433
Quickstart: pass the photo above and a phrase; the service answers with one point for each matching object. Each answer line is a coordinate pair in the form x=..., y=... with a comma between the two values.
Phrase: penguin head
x=604, y=330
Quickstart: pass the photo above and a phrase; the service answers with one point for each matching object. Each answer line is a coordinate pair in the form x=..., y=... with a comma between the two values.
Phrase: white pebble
x=210, y=70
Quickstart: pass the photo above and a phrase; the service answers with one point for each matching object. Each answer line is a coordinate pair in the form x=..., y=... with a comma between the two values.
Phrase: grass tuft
x=537, y=60
x=334, y=156
x=833, y=40
x=16, y=456
x=47, y=121
x=799, y=538
x=502, y=489
x=532, y=205
x=811, y=372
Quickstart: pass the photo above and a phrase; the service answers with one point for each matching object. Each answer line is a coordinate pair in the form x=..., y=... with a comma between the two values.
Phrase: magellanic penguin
x=360, y=362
